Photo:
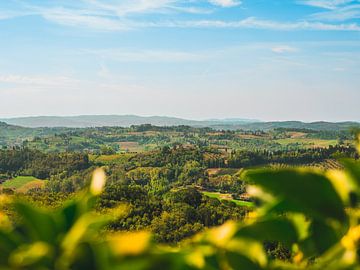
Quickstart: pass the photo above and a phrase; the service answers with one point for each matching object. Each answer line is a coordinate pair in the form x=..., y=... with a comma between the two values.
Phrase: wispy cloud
x=327, y=4
x=37, y=80
x=83, y=18
x=336, y=10
x=339, y=14
x=225, y=3
x=254, y=23
x=9, y=14
x=284, y=49
x=29, y=83
x=123, y=55
x=124, y=15
x=123, y=8
x=106, y=15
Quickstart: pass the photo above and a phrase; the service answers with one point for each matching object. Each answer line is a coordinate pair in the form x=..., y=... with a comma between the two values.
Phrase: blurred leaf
x=237, y=261
x=342, y=184
x=322, y=237
x=26, y=255
x=5, y=200
x=98, y=182
x=8, y=243
x=80, y=229
x=301, y=224
x=70, y=213
x=222, y=234
x=40, y=225
x=86, y=258
x=352, y=167
x=252, y=250
x=5, y=221
x=130, y=243
x=302, y=191
x=280, y=230
x=196, y=258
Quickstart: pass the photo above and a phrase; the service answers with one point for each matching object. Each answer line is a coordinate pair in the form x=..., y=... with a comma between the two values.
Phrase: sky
x=195, y=59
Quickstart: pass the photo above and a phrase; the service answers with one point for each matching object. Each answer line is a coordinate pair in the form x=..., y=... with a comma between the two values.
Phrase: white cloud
x=108, y=16
x=284, y=49
x=122, y=8
x=52, y=85
x=123, y=55
x=59, y=81
x=248, y=23
x=5, y=15
x=83, y=19
x=327, y=4
x=339, y=14
x=119, y=15
x=225, y=3
x=254, y=23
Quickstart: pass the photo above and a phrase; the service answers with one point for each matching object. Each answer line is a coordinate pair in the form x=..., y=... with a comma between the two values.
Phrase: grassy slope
x=111, y=159
x=19, y=182
x=307, y=142
x=218, y=196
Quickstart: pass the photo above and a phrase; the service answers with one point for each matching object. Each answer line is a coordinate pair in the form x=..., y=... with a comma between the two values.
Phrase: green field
x=220, y=196
x=222, y=171
x=307, y=142
x=111, y=159
x=18, y=182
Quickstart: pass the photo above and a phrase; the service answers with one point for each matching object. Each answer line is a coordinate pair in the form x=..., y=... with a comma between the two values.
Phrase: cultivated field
x=23, y=183
x=222, y=196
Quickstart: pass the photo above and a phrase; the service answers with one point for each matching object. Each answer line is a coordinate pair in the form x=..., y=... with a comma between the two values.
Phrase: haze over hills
x=83, y=121
x=319, y=125
x=116, y=120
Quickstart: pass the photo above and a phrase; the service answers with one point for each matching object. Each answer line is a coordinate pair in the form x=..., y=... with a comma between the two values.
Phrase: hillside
x=10, y=131
x=321, y=125
x=115, y=120
x=14, y=134
x=84, y=121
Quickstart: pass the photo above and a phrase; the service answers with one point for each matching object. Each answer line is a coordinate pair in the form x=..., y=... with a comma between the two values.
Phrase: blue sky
x=197, y=59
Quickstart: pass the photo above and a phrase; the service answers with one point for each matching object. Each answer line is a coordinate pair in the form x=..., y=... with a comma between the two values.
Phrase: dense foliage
x=106, y=140
x=33, y=162
x=313, y=214
x=176, y=182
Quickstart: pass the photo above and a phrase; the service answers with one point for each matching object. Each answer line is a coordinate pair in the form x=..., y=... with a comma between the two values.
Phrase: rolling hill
x=83, y=121
x=116, y=120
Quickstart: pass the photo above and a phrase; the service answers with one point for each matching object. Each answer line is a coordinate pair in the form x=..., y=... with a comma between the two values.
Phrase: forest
x=175, y=186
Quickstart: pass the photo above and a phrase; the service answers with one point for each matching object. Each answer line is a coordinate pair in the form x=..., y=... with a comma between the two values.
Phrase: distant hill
x=115, y=120
x=300, y=125
x=84, y=121
x=8, y=127
x=15, y=135
x=8, y=132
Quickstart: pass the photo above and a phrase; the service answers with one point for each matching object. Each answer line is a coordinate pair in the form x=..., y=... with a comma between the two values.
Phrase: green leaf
x=247, y=248
x=303, y=191
x=280, y=230
x=8, y=243
x=322, y=237
x=238, y=261
x=40, y=225
x=27, y=255
x=69, y=213
x=353, y=169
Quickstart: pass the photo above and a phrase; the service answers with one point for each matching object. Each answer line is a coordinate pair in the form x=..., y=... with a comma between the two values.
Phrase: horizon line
x=182, y=118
